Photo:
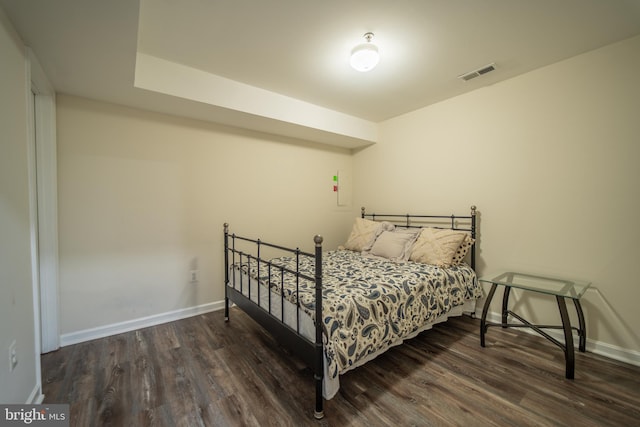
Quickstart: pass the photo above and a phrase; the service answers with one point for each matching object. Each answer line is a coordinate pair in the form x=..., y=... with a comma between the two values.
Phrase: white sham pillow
x=394, y=245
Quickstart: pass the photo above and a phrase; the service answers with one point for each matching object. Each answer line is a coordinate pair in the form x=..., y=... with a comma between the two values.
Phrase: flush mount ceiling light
x=365, y=56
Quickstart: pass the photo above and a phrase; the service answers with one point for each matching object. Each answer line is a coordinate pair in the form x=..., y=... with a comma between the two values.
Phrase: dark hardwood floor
x=202, y=371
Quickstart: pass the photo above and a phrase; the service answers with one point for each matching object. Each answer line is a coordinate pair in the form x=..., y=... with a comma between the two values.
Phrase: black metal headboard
x=448, y=222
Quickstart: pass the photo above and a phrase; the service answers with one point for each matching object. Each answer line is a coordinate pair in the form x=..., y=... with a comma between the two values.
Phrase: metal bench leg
x=569, y=354
x=583, y=328
x=505, y=305
x=485, y=310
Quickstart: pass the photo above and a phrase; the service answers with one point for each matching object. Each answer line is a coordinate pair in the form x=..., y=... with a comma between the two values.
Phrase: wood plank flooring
x=202, y=371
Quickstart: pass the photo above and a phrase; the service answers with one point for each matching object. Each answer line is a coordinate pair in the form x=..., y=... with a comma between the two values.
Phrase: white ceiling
x=296, y=52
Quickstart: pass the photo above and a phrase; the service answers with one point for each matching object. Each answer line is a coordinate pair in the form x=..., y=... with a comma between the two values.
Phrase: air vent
x=477, y=73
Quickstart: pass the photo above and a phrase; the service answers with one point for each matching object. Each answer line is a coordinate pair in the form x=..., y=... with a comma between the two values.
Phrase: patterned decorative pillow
x=364, y=233
x=395, y=245
x=436, y=246
x=466, y=244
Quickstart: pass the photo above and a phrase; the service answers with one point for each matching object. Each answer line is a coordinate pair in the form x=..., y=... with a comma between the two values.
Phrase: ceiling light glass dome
x=365, y=56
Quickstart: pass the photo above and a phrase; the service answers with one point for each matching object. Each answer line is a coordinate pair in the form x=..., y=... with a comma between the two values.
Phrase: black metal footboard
x=309, y=350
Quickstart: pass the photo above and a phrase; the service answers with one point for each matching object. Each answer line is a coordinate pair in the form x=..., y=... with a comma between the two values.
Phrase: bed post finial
x=473, y=210
x=226, y=227
x=362, y=212
x=318, y=240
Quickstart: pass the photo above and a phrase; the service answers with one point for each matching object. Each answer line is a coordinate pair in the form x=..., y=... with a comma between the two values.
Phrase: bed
x=396, y=276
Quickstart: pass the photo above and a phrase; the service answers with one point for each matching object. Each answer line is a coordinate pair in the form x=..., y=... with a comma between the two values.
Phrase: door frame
x=45, y=189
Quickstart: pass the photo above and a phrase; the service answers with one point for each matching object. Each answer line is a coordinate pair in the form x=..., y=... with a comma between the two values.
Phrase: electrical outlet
x=194, y=276
x=13, y=356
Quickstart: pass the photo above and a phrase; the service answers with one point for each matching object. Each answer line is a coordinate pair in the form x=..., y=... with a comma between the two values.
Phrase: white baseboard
x=143, y=322
x=631, y=357
x=600, y=348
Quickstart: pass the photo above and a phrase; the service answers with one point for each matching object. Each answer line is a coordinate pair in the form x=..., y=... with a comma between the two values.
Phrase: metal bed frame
x=311, y=352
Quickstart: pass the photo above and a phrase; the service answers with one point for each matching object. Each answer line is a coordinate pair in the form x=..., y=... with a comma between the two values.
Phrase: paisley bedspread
x=371, y=303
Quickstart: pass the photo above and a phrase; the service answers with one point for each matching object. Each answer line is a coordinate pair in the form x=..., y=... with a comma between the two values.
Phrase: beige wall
x=551, y=160
x=547, y=157
x=143, y=198
x=16, y=292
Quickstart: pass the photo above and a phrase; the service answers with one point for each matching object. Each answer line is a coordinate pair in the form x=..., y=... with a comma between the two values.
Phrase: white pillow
x=394, y=245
